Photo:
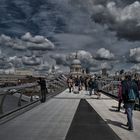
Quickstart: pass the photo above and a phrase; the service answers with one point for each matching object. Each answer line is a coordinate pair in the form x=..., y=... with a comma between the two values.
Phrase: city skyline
x=38, y=35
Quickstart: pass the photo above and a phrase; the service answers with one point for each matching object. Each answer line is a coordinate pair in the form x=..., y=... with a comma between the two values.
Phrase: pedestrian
x=77, y=85
x=120, y=99
x=86, y=83
x=70, y=84
x=43, y=88
x=137, y=80
x=129, y=94
x=96, y=88
x=138, y=84
x=90, y=86
x=81, y=82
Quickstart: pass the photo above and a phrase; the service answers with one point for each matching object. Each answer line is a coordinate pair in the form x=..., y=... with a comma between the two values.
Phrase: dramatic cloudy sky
x=38, y=34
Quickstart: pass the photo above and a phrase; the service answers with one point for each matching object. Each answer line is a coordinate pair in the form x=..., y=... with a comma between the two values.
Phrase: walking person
x=70, y=84
x=77, y=85
x=137, y=80
x=43, y=88
x=86, y=83
x=129, y=94
x=91, y=85
x=81, y=82
x=120, y=99
x=96, y=88
x=138, y=84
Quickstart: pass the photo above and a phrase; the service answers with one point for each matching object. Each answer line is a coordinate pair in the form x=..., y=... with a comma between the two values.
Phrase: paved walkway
x=54, y=119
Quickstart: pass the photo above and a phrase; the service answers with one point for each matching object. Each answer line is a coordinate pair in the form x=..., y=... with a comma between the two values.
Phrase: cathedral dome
x=76, y=62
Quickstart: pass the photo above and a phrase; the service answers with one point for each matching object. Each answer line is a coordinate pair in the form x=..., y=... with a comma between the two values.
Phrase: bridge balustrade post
x=19, y=101
x=112, y=88
x=2, y=98
x=31, y=99
x=108, y=88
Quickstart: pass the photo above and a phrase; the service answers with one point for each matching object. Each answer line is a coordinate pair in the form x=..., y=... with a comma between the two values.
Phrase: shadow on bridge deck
x=88, y=125
x=69, y=116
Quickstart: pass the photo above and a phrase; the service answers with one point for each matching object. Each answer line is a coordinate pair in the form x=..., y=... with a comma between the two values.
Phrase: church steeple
x=76, y=55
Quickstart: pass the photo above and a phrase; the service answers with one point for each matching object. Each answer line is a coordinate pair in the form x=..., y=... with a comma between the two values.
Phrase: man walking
x=43, y=88
x=91, y=85
x=129, y=94
x=70, y=83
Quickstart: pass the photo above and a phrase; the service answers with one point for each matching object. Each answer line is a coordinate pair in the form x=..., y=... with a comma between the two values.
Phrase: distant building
x=53, y=69
x=27, y=72
x=76, y=68
x=10, y=79
x=104, y=72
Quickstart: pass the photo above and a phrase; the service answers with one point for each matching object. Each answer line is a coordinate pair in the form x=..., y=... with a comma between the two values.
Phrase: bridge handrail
x=52, y=85
x=18, y=87
x=112, y=88
x=14, y=89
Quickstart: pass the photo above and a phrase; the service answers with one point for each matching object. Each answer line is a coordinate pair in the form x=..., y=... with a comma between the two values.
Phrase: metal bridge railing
x=20, y=89
x=30, y=89
x=111, y=87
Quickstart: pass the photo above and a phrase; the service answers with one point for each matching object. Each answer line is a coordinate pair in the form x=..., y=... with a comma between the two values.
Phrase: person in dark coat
x=96, y=88
x=119, y=96
x=43, y=88
x=91, y=85
x=129, y=104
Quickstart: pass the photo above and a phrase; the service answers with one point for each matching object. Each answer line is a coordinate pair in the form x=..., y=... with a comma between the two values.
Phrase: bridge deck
x=72, y=116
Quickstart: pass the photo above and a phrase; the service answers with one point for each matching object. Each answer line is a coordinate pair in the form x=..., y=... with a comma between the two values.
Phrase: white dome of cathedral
x=76, y=62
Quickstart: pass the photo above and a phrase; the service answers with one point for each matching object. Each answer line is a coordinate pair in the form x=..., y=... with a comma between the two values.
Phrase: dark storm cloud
x=84, y=56
x=6, y=67
x=134, y=55
x=45, y=67
x=62, y=69
x=104, y=54
x=94, y=69
x=106, y=65
x=16, y=61
x=136, y=67
x=101, y=65
x=27, y=41
x=8, y=62
x=52, y=16
x=37, y=42
x=4, y=64
x=32, y=61
x=61, y=59
x=118, y=2
x=124, y=20
x=72, y=25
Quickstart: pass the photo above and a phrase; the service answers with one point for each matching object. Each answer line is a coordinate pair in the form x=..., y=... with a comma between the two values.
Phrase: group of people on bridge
x=128, y=91
x=90, y=83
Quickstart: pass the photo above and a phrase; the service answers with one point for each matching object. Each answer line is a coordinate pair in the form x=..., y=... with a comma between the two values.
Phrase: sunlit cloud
x=27, y=41
x=104, y=54
x=134, y=55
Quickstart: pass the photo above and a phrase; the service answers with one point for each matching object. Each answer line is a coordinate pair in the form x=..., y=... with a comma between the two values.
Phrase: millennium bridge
x=64, y=116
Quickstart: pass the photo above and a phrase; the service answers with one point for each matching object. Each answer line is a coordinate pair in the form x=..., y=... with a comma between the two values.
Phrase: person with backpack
x=96, y=88
x=129, y=93
x=91, y=85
